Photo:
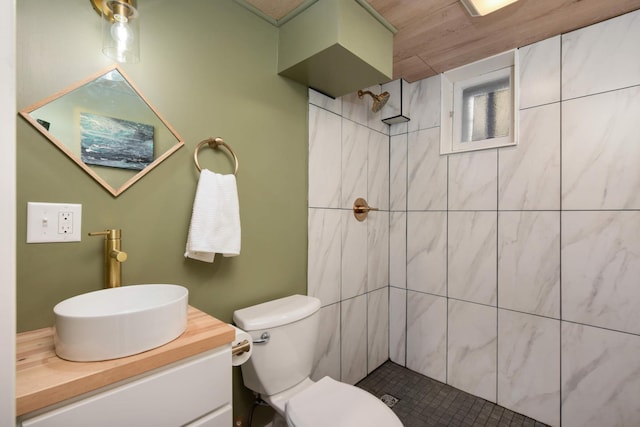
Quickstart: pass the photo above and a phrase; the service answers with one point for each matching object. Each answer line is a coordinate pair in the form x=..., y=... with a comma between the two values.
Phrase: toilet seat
x=332, y=403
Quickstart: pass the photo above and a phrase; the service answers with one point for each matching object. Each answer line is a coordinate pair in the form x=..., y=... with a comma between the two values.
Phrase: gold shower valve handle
x=361, y=209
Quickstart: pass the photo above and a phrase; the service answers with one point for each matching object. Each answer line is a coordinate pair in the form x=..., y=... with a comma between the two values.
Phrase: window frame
x=453, y=84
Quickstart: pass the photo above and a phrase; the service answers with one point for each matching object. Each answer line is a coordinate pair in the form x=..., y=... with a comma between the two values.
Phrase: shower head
x=378, y=100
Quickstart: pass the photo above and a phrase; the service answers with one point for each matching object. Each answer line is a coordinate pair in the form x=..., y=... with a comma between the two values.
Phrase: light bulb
x=120, y=38
x=121, y=32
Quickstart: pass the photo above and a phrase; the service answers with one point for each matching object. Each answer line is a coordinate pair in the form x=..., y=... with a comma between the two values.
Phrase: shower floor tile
x=423, y=402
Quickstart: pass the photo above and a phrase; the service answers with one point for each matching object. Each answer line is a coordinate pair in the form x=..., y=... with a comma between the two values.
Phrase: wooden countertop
x=43, y=379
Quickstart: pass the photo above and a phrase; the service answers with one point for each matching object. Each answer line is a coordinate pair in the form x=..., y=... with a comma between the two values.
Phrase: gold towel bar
x=214, y=143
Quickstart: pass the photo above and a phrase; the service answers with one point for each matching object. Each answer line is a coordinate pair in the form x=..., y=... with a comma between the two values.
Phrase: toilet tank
x=287, y=357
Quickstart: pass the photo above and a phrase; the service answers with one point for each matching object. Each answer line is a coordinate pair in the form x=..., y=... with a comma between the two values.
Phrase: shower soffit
x=438, y=35
x=336, y=47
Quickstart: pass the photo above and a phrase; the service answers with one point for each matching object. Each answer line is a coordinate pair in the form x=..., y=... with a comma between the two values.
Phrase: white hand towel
x=215, y=221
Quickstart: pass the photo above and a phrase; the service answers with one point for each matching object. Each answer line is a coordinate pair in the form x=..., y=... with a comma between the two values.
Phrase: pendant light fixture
x=484, y=7
x=120, y=30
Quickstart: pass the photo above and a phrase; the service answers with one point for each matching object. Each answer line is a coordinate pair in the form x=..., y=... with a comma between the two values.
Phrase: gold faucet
x=113, y=256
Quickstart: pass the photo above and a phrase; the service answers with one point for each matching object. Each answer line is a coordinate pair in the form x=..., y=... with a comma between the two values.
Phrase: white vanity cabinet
x=191, y=392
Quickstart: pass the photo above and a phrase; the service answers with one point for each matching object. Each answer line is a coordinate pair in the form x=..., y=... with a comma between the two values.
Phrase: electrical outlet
x=65, y=222
x=53, y=222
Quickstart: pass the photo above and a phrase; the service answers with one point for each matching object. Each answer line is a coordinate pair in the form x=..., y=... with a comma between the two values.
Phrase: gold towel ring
x=214, y=143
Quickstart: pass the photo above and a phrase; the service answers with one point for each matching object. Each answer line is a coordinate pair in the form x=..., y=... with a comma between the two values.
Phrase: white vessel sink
x=119, y=322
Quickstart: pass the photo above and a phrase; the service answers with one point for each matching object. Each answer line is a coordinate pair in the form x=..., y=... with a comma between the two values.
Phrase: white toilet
x=280, y=366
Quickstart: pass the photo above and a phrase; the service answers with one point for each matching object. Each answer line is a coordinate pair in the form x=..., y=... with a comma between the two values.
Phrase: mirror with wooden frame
x=107, y=127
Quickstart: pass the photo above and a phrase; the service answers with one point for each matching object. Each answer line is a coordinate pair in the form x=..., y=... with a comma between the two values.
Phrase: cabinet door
x=172, y=396
x=220, y=418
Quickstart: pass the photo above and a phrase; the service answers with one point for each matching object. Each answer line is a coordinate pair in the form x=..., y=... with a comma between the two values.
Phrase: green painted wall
x=209, y=67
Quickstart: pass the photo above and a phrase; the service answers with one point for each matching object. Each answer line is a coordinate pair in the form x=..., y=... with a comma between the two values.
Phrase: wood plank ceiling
x=437, y=35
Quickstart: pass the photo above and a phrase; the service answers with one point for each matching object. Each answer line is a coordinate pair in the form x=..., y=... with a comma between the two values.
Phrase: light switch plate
x=53, y=222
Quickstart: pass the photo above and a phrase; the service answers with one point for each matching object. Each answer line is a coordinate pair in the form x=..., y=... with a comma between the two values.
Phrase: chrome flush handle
x=264, y=338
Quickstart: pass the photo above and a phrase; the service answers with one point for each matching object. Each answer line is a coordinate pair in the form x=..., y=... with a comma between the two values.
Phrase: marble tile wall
x=348, y=261
x=514, y=272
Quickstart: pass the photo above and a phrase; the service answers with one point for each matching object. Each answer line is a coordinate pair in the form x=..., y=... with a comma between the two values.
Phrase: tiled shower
x=512, y=273
x=348, y=266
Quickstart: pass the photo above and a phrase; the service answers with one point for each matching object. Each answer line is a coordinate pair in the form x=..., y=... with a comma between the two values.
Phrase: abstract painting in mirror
x=107, y=127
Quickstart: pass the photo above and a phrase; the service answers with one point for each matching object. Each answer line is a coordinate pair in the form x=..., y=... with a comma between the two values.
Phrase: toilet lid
x=332, y=403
